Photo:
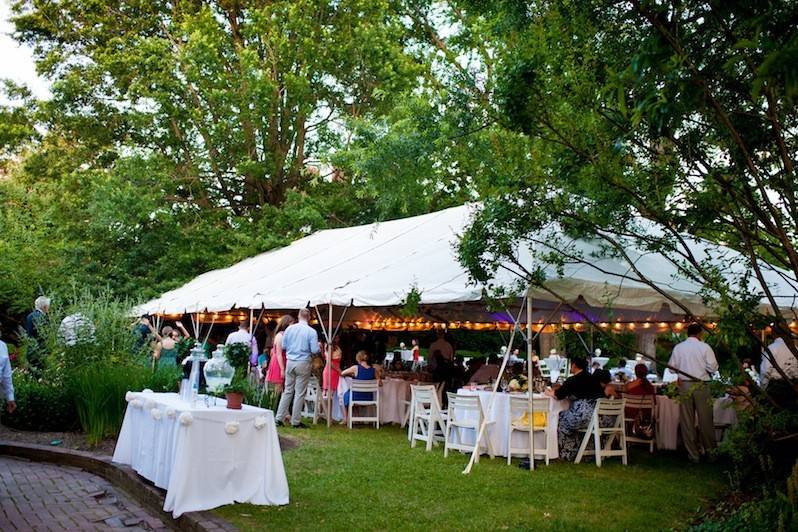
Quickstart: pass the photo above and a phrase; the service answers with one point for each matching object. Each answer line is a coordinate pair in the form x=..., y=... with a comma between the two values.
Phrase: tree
x=238, y=96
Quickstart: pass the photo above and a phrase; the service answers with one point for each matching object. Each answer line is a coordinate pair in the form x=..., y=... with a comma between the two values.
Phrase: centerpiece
x=238, y=357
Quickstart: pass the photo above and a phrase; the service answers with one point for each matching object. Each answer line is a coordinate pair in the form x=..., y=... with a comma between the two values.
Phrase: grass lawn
x=372, y=480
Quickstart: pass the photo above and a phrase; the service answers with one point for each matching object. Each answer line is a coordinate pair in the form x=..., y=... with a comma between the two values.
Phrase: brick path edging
x=122, y=477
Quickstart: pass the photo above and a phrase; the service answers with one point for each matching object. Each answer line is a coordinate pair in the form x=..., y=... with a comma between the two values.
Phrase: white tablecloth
x=191, y=453
x=393, y=393
x=501, y=415
x=668, y=419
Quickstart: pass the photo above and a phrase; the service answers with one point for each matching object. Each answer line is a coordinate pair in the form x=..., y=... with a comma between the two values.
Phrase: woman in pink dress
x=276, y=373
x=331, y=381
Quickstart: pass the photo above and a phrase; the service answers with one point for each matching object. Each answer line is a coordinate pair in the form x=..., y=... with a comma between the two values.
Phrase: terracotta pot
x=234, y=400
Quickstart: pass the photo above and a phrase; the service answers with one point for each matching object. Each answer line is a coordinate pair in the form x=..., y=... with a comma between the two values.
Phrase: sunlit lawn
x=372, y=480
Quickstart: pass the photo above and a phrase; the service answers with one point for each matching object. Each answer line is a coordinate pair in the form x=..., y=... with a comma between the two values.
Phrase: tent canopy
x=377, y=265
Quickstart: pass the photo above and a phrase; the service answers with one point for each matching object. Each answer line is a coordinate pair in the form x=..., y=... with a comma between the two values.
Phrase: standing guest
x=275, y=375
x=332, y=374
x=362, y=371
x=416, y=353
x=442, y=345
x=142, y=331
x=35, y=324
x=583, y=391
x=772, y=381
x=6, y=383
x=695, y=362
x=300, y=342
x=240, y=336
x=166, y=349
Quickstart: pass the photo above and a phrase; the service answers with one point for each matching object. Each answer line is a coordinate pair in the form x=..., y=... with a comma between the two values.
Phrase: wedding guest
x=240, y=336
x=34, y=321
x=695, y=362
x=332, y=373
x=442, y=345
x=639, y=386
x=166, y=348
x=416, y=353
x=487, y=373
x=583, y=391
x=771, y=380
x=6, y=383
x=621, y=372
x=300, y=342
x=275, y=375
x=362, y=371
x=35, y=324
x=604, y=379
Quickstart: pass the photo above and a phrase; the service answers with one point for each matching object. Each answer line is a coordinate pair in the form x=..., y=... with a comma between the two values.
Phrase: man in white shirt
x=695, y=362
x=6, y=384
x=241, y=336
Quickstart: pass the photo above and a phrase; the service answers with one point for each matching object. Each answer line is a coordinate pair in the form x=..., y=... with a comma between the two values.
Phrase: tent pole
x=329, y=365
x=529, y=389
x=484, y=423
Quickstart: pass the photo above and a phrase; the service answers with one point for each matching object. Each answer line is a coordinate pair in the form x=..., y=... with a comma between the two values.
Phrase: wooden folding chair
x=429, y=423
x=641, y=403
x=465, y=412
x=605, y=407
x=518, y=407
x=373, y=387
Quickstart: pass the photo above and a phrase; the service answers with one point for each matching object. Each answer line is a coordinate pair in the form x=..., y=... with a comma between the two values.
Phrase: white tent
x=376, y=265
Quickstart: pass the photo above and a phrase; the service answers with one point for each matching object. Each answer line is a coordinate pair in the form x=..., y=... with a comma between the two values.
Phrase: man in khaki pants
x=695, y=362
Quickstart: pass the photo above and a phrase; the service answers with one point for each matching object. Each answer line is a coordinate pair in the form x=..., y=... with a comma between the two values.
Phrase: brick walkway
x=36, y=496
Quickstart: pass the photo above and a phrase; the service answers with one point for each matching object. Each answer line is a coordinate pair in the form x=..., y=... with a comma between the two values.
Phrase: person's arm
x=315, y=345
x=565, y=390
x=764, y=368
x=351, y=371
x=5, y=377
x=278, y=353
x=179, y=325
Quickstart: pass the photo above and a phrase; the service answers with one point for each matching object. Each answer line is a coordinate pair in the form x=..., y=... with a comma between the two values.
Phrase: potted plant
x=238, y=357
x=234, y=392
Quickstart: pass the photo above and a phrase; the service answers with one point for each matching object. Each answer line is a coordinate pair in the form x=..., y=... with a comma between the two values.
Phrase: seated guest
x=621, y=372
x=583, y=391
x=362, y=371
x=487, y=373
x=604, y=379
x=639, y=386
x=779, y=389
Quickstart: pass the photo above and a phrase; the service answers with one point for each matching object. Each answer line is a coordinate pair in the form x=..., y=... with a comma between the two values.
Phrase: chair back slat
x=641, y=402
x=463, y=402
x=610, y=407
x=365, y=386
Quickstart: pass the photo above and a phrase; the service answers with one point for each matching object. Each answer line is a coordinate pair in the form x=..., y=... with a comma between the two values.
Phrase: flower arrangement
x=519, y=383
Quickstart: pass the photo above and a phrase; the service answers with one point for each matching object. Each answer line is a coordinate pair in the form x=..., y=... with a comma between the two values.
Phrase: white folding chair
x=605, y=407
x=311, y=398
x=641, y=403
x=320, y=411
x=465, y=412
x=518, y=407
x=565, y=369
x=429, y=423
x=373, y=387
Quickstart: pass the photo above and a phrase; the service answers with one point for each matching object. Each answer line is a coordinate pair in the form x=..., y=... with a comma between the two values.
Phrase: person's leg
x=288, y=391
x=687, y=420
x=302, y=371
x=706, y=422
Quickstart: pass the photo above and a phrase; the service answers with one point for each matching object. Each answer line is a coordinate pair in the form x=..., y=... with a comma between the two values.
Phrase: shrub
x=41, y=406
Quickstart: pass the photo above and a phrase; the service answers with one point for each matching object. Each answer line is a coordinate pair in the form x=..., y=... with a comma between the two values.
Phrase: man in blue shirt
x=300, y=342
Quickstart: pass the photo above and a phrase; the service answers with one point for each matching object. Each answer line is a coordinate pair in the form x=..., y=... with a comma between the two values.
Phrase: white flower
x=156, y=414
x=171, y=413
x=150, y=404
x=231, y=427
x=146, y=390
x=129, y=396
x=186, y=419
x=260, y=422
x=136, y=403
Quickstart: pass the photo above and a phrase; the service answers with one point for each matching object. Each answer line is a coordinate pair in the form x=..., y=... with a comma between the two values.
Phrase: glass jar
x=218, y=372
